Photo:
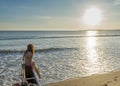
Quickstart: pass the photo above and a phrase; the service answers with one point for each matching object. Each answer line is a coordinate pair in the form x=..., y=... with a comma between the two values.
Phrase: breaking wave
x=53, y=37
x=39, y=50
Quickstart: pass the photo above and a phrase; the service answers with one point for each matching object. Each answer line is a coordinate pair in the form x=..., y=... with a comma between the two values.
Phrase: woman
x=29, y=64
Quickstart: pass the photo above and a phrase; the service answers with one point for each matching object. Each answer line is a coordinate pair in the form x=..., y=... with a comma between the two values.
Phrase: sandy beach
x=106, y=79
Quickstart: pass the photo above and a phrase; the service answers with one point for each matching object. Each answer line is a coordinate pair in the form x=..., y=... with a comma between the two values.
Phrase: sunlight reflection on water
x=92, y=56
x=63, y=58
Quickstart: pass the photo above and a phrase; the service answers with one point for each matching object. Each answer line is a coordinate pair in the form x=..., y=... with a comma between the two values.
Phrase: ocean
x=60, y=55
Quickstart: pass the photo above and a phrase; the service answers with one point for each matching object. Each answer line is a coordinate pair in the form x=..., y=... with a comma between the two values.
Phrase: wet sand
x=106, y=79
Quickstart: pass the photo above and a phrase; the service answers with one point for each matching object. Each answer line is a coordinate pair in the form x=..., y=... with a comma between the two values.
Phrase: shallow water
x=60, y=55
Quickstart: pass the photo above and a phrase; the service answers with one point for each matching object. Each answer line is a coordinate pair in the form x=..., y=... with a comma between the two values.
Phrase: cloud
x=43, y=17
x=41, y=22
x=117, y=2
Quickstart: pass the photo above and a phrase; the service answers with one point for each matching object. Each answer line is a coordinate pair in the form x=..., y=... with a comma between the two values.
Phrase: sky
x=56, y=14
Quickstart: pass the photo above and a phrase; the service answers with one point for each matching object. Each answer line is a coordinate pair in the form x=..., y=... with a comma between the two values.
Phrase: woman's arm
x=36, y=69
x=24, y=55
x=23, y=59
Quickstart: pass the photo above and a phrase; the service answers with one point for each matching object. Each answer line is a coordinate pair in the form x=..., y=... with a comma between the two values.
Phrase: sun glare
x=92, y=16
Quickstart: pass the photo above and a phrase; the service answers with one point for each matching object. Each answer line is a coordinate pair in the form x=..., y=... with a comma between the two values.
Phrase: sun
x=92, y=16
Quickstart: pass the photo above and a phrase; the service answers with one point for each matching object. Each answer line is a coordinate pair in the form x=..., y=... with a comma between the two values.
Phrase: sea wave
x=53, y=37
x=38, y=50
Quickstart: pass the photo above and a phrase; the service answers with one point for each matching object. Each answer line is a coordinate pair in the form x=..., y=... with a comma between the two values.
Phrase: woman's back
x=28, y=58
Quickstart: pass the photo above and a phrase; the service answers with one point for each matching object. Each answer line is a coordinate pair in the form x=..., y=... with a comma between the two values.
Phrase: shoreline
x=111, y=78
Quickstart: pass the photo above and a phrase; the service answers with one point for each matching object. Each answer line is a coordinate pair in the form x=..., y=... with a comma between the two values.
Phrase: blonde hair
x=30, y=48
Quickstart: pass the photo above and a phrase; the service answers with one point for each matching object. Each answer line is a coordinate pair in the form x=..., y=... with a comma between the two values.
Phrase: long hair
x=30, y=48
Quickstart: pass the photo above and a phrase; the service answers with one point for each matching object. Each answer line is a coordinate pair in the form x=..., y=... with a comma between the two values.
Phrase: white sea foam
x=60, y=58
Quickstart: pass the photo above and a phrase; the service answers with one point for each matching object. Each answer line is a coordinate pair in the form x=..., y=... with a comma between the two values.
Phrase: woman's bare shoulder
x=29, y=53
